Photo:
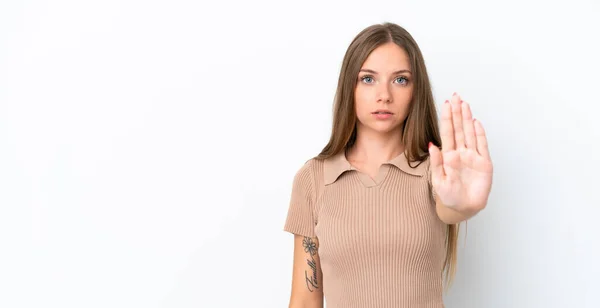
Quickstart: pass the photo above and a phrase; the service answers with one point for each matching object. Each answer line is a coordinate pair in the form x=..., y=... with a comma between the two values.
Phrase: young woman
x=376, y=213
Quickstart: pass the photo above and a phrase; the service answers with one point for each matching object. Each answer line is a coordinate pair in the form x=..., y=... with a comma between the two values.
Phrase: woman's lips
x=382, y=114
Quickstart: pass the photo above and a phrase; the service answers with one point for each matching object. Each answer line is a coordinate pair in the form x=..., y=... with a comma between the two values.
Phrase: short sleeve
x=301, y=217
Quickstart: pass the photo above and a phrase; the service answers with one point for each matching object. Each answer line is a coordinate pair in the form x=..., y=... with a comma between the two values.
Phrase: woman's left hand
x=461, y=173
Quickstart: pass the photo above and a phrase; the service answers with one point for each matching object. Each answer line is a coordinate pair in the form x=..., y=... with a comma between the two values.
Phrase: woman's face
x=384, y=90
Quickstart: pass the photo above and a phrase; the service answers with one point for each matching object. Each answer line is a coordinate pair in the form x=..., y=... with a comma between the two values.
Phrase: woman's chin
x=383, y=128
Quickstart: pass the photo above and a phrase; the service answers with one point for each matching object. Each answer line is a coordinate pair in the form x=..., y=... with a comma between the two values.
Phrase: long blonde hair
x=420, y=127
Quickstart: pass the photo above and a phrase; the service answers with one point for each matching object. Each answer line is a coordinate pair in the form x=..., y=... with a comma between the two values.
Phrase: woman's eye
x=367, y=79
x=402, y=78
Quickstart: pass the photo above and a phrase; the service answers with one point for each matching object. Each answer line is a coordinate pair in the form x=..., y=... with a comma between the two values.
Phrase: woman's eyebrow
x=366, y=70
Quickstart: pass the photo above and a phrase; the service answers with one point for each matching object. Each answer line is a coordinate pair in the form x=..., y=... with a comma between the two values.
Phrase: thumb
x=436, y=163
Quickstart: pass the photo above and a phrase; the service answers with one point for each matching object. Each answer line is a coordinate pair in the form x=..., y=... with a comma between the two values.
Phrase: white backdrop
x=148, y=147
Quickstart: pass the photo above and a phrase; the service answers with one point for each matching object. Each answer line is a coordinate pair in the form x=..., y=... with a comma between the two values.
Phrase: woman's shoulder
x=311, y=171
x=310, y=166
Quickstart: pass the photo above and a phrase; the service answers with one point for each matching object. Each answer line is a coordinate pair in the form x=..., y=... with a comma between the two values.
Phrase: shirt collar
x=336, y=165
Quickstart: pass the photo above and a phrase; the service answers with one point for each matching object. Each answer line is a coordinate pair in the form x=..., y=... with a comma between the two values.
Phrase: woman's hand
x=461, y=173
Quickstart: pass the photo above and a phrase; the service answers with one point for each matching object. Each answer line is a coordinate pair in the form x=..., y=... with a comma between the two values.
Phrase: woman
x=376, y=213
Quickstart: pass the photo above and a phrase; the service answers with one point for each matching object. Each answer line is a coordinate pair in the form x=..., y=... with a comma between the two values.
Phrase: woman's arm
x=451, y=216
x=307, y=283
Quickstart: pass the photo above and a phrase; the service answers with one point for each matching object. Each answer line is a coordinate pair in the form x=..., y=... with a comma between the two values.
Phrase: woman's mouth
x=382, y=114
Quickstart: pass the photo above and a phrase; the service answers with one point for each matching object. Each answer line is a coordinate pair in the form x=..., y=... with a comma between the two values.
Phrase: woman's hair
x=420, y=126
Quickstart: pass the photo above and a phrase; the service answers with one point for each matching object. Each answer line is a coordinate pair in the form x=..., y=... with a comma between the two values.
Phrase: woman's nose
x=383, y=94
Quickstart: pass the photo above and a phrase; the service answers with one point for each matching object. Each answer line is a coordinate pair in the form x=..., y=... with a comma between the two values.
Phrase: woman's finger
x=446, y=128
x=436, y=163
x=459, y=136
x=469, y=129
x=482, y=144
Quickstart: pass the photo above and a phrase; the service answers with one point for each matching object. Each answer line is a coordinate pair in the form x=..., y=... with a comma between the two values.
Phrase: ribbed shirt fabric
x=381, y=243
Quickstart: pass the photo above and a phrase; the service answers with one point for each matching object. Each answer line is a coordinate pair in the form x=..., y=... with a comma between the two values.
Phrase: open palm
x=461, y=173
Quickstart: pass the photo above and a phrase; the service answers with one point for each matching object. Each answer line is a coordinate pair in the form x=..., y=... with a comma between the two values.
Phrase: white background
x=148, y=147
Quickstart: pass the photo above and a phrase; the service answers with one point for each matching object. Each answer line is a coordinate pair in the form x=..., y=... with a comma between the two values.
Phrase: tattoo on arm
x=311, y=247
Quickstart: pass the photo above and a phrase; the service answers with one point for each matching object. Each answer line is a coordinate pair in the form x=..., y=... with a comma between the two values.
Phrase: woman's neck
x=374, y=148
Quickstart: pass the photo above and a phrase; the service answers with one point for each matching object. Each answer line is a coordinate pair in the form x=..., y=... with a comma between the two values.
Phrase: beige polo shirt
x=381, y=243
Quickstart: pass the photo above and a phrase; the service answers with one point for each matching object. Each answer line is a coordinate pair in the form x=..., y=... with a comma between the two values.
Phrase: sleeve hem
x=299, y=232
